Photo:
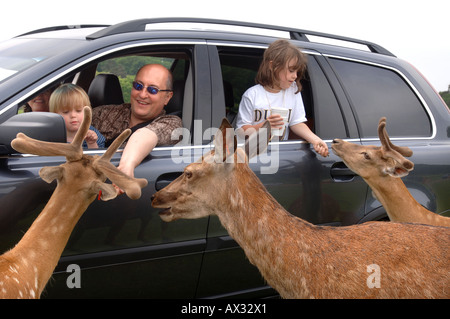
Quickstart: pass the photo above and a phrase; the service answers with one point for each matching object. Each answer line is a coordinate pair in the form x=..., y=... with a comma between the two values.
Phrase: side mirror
x=44, y=126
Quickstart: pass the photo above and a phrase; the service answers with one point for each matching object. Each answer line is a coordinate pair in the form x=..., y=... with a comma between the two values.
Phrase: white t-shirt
x=256, y=103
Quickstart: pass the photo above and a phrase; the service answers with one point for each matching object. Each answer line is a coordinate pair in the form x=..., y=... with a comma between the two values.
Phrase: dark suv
x=122, y=247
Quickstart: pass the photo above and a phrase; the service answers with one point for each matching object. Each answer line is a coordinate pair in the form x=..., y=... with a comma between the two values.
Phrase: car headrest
x=105, y=89
x=175, y=105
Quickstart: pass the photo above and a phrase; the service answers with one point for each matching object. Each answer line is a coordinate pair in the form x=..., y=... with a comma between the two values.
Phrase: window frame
x=312, y=78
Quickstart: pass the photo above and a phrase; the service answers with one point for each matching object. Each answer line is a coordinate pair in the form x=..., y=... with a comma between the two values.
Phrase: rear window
x=375, y=92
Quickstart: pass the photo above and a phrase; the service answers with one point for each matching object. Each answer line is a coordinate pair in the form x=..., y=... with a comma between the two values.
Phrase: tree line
x=127, y=67
x=446, y=97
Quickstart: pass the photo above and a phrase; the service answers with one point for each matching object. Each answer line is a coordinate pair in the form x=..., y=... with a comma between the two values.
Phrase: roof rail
x=295, y=34
x=64, y=27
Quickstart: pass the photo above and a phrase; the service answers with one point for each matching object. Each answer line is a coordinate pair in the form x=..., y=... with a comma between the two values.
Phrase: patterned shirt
x=111, y=120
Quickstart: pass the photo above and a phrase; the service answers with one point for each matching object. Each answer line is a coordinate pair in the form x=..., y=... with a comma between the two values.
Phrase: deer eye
x=188, y=174
x=366, y=156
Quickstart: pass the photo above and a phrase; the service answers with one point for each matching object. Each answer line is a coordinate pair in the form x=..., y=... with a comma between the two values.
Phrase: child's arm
x=303, y=131
x=276, y=121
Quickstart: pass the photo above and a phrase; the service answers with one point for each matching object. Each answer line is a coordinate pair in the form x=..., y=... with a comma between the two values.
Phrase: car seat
x=105, y=89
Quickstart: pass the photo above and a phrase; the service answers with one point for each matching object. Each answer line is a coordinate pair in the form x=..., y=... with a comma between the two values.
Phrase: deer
x=382, y=168
x=296, y=258
x=26, y=268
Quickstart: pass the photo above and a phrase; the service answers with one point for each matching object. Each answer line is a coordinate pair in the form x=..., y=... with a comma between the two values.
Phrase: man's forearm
x=140, y=144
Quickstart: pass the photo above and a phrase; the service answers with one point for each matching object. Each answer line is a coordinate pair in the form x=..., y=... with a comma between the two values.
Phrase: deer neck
x=395, y=198
x=264, y=229
x=37, y=254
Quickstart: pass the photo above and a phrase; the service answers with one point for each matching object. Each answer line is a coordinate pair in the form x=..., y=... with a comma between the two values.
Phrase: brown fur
x=382, y=169
x=301, y=260
x=26, y=269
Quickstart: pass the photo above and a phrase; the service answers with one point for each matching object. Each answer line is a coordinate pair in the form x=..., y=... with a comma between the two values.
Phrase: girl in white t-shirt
x=278, y=86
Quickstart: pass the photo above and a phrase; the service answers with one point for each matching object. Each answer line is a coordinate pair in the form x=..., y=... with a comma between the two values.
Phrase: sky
x=418, y=32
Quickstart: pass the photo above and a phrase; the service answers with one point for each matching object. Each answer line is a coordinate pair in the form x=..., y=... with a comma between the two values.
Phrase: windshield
x=17, y=54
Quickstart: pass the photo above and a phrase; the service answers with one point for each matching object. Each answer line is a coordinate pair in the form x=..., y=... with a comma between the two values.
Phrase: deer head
x=365, y=161
x=189, y=196
x=92, y=179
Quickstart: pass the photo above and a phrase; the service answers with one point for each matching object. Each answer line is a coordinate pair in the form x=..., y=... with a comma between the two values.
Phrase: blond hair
x=68, y=96
x=276, y=58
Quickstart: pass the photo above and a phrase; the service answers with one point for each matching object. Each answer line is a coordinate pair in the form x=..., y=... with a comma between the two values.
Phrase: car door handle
x=165, y=179
x=341, y=173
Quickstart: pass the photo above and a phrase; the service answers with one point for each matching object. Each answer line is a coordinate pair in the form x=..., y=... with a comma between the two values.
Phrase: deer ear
x=225, y=142
x=49, y=174
x=256, y=143
x=398, y=168
x=108, y=191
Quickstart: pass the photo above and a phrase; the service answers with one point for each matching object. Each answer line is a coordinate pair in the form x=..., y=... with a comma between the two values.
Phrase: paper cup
x=284, y=113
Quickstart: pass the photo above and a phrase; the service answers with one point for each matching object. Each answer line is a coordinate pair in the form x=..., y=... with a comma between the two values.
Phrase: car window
x=239, y=68
x=375, y=92
x=125, y=68
x=119, y=71
x=322, y=108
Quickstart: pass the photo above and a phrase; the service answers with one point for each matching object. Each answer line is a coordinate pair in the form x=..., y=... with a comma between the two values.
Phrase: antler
x=393, y=151
x=77, y=141
x=72, y=151
x=115, y=145
x=131, y=186
x=386, y=142
x=225, y=143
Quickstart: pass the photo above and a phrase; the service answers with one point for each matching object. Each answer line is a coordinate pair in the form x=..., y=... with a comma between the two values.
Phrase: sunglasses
x=150, y=89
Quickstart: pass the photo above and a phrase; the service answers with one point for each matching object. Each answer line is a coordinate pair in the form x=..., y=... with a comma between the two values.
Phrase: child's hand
x=276, y=121
x=91, y=139
x=321, y=148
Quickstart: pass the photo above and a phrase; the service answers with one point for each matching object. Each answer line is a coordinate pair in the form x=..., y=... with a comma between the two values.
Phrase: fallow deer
x=26, y=268
x=382, y=167
x=299, y=259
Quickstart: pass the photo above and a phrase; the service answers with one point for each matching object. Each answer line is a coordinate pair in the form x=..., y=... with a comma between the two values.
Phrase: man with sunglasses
x=145, y=115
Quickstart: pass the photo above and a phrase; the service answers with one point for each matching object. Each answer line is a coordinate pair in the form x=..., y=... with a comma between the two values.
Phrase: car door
x=376, y=91
x=120, y=248
x=320, y=190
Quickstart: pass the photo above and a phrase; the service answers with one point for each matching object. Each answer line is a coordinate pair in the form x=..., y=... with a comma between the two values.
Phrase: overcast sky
x=418, y=32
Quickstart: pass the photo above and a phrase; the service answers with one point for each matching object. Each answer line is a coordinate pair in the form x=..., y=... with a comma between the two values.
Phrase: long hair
x=276, y=58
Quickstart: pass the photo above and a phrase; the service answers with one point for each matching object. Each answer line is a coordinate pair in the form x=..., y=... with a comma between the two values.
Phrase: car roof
x=88, y=38
x=201, y=25
x=72, y=32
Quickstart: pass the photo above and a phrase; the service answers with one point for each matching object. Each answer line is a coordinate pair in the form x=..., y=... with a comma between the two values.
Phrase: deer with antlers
x=26, y=269
x=382, y=167
x=299, y=259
